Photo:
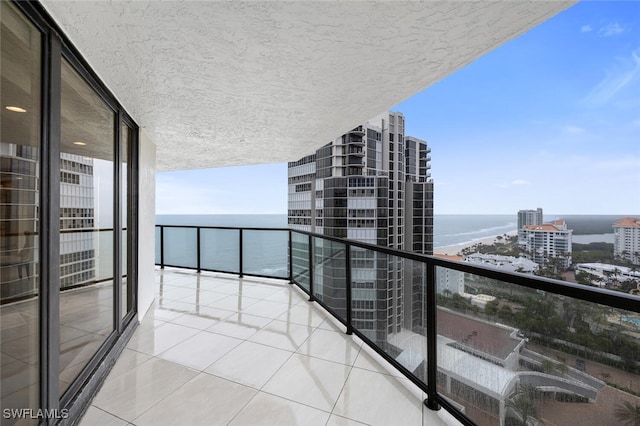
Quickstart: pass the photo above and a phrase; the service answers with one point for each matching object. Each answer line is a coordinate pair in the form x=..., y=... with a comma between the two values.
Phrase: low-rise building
x=509, y=263
x=608, y=273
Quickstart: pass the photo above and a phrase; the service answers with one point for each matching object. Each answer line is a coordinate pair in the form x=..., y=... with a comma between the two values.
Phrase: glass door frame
x=74, y=401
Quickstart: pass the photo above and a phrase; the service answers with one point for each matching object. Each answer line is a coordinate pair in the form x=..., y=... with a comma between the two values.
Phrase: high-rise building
x=529, y=217
x=546, y=243
x=18, y=220
x=372, y=185
x=19, y=248
x=626, y=243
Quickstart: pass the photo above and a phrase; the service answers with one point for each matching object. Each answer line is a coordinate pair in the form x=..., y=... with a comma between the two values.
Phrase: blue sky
x=550, y=119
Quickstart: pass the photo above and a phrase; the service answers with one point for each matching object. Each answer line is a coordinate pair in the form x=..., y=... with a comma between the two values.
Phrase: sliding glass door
x=87, y=158
x=68, y=169
x=20, y=153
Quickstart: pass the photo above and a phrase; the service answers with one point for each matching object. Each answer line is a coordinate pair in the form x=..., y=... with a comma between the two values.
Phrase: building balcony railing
x=358, y=130
x=491, y=347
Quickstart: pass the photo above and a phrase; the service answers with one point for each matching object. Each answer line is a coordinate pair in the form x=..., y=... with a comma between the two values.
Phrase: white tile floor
x=215, y=349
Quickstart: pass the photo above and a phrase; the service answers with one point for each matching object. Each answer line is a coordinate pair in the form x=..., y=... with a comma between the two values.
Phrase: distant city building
x=529, y=217
x=626, y=243
x=372, y=185
x=546, y=243
x=448, y=281
x=608, y=273
x=508, y=263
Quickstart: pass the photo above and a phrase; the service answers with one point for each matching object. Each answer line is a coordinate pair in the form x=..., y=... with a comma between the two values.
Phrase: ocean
x=449, y=229
x=266, y=252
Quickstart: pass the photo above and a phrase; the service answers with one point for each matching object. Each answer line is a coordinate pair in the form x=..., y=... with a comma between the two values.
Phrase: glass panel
x=181, y=247
x=388, y=299
x=220, y=249
x=157, y=252
x=86, y=224
x=508, y=354
x=266, y=253
x=329, y=275
x=19, y=199
x=125, y=135
x=300, y=254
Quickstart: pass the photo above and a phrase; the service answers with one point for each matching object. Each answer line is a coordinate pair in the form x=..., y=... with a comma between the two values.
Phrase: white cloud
x=585, y=28
x=616, y=79
x=520, y=182
x=610, y=30
x=619, y=164
x=573, y=130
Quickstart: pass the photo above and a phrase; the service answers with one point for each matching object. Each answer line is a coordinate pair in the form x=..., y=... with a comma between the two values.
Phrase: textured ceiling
x=232, y=83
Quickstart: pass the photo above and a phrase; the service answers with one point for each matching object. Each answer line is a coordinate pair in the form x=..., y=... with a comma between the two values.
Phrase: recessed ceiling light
x=80, y=143
x=15, y=109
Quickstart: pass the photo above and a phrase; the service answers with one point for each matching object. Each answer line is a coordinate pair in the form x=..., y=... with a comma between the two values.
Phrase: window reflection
x=19, y=201
x=86, y=224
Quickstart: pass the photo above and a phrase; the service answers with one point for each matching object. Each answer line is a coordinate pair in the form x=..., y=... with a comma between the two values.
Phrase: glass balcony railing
x=491, y=347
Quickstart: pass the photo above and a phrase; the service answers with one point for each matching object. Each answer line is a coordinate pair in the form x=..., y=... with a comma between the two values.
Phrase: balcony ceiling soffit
x=231, y=83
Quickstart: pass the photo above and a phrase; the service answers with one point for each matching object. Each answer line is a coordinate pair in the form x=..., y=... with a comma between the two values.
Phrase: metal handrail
x=434, y=399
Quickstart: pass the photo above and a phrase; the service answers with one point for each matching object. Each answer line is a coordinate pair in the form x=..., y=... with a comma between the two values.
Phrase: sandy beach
x=455, y=249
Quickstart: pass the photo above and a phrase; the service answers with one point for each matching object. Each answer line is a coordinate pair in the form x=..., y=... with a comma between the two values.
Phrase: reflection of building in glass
x=626, y=243
x=372, y=185
x=18, y=220
x=19, y=168
x=77, y=253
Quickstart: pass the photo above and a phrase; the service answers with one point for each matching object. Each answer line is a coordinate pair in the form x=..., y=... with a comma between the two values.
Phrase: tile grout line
x=342, y=388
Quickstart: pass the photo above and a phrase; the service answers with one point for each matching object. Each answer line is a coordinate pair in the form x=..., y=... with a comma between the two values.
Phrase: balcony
x=218, y=349
x=481, y=343
x=354, y=161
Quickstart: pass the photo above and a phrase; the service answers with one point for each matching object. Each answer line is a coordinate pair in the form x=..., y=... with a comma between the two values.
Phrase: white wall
x=146, y=223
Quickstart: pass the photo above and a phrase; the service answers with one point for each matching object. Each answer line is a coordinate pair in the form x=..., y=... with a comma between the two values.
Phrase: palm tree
x=628, y=414
x=523, y=403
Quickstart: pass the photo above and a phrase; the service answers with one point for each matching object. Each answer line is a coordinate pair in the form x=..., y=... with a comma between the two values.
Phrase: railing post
x=240, y=254
x=348, y=284
x=311, y=297
x=432, y=337
x=198, y=247
x=161, y=247
x=290, y=257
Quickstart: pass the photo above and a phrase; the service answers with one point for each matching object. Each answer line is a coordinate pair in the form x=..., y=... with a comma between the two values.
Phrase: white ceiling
x=232, y=83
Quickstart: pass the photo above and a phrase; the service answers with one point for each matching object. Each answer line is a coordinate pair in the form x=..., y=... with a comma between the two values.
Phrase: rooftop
x=449, y=256
x=627, y=222
x=215, y=349
x=546, y=227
